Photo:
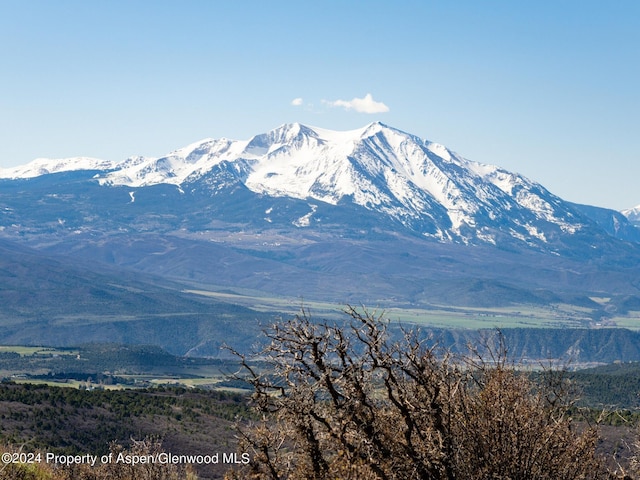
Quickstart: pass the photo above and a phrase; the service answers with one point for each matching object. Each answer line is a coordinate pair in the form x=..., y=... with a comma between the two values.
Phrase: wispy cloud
x=297, y=102
x=361, y=105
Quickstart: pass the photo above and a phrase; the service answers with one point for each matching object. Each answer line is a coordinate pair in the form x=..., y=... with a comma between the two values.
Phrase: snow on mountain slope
x=44, y=166
x=632, y=214
x=196, y=158
x=421, y=184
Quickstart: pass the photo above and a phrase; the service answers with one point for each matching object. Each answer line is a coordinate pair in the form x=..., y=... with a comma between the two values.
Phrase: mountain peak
x=372, y=129
x=290, y=131
x=378, y=125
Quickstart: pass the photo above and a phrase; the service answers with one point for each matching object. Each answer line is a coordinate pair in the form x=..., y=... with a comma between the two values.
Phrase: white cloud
x=296, y=102
x=362, y=105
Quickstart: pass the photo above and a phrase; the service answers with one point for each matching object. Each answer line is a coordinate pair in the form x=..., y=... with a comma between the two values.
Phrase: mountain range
x=420, y=185
x=373, y=215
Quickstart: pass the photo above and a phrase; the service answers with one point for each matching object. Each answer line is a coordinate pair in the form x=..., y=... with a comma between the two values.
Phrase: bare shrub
x=348, y=402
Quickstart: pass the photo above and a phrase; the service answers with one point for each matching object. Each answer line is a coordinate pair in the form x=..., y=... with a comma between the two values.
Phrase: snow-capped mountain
x=377, y=167
x=423, y=185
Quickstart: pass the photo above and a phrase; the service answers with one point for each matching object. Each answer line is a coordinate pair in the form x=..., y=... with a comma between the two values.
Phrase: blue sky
x=549, y=89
